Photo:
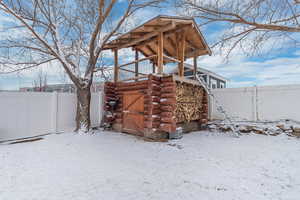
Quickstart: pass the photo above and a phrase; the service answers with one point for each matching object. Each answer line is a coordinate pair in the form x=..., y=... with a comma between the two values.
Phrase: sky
x=277, y=65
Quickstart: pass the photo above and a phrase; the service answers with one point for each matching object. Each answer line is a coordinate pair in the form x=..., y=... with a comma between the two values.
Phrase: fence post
x=255, y=103
x=54, y=111
x=102, y=111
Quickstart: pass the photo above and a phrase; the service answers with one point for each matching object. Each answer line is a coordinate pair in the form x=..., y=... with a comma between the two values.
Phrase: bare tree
x=40, y=82
x=70, y=32
x=257, y=20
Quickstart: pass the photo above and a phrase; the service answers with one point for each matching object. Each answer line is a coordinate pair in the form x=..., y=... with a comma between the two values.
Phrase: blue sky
x=275, y=66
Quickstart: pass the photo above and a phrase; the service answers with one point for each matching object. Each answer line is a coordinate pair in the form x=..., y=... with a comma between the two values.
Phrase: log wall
x=164, y=104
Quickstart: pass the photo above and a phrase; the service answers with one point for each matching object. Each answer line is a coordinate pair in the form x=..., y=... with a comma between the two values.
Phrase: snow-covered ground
x=109, y=165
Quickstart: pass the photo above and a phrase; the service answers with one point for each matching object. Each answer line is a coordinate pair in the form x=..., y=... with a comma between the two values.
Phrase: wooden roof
x=144, y=37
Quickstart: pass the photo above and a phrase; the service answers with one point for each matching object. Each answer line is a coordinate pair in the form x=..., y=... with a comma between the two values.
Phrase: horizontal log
x=155, y=87
x=167, y=108
x=168, y=84
x=130, y=88
x=154, y=93
x=167, y=127
x=167, y=120
x=156, y=82
x=109, y=86
x=121, y=84
x=152, y=98
x=155, y=78
x=121, y=93
x=156, y=111
x=168, y=101
x=168, y=90
x=167, y=79
x=168, y=95
x=151, y=106
x=132, y=85
x=166, y=114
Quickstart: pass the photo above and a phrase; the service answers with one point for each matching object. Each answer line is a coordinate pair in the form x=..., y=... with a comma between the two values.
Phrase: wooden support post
x=137, y=63
x=160, y=53
x=195, y=66
x=116, y=68
x=180, y=52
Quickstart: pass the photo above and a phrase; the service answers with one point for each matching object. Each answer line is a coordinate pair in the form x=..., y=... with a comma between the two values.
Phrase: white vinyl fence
x=25, y=114
x=259, y=103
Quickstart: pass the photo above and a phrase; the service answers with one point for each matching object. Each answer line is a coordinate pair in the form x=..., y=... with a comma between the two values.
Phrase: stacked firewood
x=189, y=100
x=110, y=95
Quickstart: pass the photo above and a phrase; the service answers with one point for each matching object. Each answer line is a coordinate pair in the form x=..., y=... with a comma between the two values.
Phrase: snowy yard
x=117, y=166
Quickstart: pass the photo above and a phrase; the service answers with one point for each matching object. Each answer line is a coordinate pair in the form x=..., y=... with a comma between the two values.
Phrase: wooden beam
x=138, y=33
x=166, y=34
x=160, y=51
x=154, y=25
x=197, y=52
x=181, y=51
x=136, y=66
x=127, y=70
x=172, y=59
x=150, y=49
x=136, y=78
x=149, y=35
x=116, y=68
x=195, y=67
x=191, y=44
x=142, y=59
x=182, y=21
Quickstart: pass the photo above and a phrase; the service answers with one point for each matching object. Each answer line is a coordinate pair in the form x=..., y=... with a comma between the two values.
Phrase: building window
x=222, y=85
x=213, y=83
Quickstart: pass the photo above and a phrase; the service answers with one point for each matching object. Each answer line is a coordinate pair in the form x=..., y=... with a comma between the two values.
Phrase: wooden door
x=133, y=113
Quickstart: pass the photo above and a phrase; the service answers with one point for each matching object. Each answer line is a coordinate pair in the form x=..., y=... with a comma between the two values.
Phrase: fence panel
x=278, y=102
x=25, y=114
x=258, y=103
x=237, y=102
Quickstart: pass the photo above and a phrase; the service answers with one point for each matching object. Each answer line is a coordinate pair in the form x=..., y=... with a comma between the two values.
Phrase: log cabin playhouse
x=154, y=105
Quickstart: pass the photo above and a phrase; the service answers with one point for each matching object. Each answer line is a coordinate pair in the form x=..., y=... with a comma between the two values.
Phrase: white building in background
x=213, y=79
x=67, y=88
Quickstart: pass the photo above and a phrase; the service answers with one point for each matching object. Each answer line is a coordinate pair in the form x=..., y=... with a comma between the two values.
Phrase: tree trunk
x=83, y=122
